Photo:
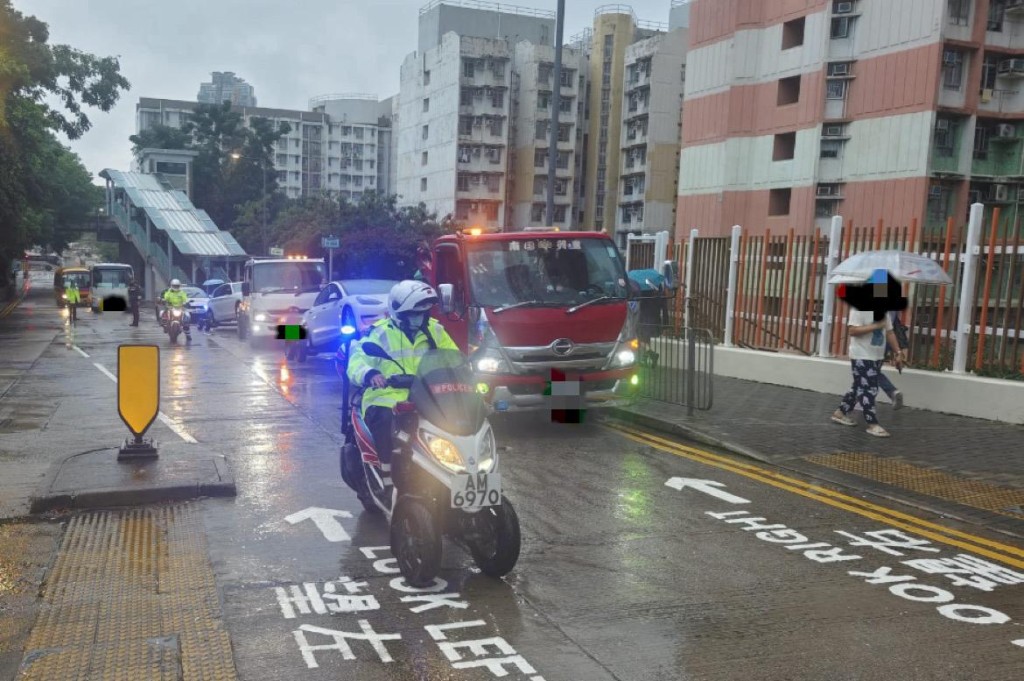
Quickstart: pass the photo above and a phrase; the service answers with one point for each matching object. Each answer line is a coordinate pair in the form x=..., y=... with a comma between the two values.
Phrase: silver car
x=350, y=302
x=224, y=303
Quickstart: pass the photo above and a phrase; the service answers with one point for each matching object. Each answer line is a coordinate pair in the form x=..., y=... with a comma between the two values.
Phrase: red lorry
x=533, y=308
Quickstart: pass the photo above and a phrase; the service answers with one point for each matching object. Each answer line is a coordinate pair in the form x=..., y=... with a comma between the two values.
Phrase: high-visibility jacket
x=73, y=294
x=406, y=353
x=175, y=298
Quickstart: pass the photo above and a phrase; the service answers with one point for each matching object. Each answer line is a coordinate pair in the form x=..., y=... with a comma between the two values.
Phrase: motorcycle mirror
x=246, y=289
x=447, y=293
x=374, y=350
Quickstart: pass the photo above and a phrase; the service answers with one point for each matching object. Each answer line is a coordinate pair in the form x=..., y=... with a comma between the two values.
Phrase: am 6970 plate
x=482, y=489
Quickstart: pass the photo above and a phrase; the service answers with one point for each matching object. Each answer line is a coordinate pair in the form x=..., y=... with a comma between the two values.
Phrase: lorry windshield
x=553, y=272
x=294, y=276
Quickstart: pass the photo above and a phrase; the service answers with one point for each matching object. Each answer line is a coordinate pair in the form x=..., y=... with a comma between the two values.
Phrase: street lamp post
x=263, y=172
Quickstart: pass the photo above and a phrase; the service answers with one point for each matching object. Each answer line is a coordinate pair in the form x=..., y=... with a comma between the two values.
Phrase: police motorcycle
x=174, y=320
x=445, y=464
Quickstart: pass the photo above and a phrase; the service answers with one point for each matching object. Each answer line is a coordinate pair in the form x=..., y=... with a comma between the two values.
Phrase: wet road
x=642, y=560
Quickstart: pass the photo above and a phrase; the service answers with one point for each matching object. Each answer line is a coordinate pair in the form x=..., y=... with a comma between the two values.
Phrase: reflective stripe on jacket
x=407, y=354
x=175, y=298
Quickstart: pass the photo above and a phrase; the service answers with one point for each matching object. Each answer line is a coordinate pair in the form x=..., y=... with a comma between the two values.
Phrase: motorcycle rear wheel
x=502, y=552
x=355, y=478
x=415, y=542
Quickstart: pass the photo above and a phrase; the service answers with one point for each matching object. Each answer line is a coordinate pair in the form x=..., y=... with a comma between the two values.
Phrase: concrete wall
x=538, y=28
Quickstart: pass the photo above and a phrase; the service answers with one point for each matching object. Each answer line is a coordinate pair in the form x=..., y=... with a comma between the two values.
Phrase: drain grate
x=974, y=493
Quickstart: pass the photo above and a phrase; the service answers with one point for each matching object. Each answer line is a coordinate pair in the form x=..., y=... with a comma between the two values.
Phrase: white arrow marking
x=325, y=519
x=706, y=486
x=1018, y=642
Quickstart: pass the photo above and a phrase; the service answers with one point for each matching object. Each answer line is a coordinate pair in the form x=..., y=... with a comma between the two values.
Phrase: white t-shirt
x=869, y=345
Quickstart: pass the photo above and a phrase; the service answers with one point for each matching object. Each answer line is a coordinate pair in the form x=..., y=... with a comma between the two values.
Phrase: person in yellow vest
x=406, y=334
x=175, y=297
x=73, y=297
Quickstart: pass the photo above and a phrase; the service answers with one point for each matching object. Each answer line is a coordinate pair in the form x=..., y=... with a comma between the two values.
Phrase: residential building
x=651, y=134
x=532, y=111
x=454, y=129
x=481, y=19
x=615, y=29
x=225, y=86
x=335, y=148
x=869, y=109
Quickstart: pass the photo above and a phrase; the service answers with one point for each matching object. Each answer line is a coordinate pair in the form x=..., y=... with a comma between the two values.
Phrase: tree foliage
x=44, y=188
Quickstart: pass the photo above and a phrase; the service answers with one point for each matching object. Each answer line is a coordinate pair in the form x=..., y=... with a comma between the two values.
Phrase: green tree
x=160, y=137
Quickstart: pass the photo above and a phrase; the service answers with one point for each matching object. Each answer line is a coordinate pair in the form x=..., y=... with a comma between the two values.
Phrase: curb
x=122, y=496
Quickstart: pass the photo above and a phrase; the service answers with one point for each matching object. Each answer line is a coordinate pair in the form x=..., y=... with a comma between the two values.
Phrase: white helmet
x=411, y=299
x=175, y=284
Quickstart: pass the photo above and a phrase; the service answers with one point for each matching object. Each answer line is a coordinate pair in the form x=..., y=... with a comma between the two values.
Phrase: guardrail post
x=965, y=320
x=829, y=300
x=730, y=293
x=691, y=338
x=687, y=299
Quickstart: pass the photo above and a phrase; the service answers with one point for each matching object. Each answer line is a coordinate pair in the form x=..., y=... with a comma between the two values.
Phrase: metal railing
x=677, y=366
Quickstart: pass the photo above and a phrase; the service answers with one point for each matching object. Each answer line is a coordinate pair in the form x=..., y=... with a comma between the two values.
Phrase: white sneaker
x=842, y=419
x=877, y=431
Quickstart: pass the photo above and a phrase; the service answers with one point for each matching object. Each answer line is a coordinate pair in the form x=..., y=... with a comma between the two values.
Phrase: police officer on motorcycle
x=175, y=297
x=406, y=334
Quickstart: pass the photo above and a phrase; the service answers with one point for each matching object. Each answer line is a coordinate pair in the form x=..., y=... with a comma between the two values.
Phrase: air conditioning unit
x=833, y=131
x=986, y=95
x=935, y=192
x=942, y=125
x=1002, y=192
x=842, y=8
x=839, y=69
x=1011, y=67
x=1007, y=130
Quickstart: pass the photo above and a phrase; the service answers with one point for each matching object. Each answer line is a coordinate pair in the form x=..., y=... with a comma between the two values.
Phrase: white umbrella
x=904, y=266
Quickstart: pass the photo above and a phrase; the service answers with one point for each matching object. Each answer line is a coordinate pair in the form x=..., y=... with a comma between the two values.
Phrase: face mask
x=415, y=321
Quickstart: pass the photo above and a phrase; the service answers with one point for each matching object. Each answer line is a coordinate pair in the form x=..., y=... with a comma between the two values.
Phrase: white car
x=351, y=302
x=224, y=303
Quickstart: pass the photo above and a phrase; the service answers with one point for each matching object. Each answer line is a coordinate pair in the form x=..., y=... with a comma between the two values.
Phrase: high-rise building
x=532, y=105
x=869, y=109
x=225, y=86
x=338, y=147
x=482, y=19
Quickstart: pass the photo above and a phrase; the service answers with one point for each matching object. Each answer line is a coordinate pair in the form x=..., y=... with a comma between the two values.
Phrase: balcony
x=1011, y=68
x=1000, y=101
x=1015, y=9
x=637, y=109
x=480, y=192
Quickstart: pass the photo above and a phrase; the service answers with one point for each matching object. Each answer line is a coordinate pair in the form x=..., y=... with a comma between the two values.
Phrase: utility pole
x=556, y=105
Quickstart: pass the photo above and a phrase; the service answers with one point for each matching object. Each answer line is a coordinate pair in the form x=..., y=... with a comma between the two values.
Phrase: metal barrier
x=677, y=367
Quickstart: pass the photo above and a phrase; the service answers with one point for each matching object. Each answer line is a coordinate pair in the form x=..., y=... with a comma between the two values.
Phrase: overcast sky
x=288, y=51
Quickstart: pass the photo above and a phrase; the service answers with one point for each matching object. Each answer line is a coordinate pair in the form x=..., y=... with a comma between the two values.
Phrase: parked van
x=110, y=286
x=82, y=278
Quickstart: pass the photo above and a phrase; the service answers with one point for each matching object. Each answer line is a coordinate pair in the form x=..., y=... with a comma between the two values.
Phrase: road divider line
x=171, y=423
x=1009, y=555
x=80, y=351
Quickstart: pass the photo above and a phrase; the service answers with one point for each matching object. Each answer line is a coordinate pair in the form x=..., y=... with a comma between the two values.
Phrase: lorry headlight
x=444, y=451
x=491, y=365
x=624, y=358
x=260, y=317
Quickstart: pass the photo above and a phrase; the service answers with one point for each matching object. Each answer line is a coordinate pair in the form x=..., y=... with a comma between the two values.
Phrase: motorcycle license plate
x=482, y=489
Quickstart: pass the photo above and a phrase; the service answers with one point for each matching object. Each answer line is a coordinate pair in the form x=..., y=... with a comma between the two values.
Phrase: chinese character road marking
x=341, y=644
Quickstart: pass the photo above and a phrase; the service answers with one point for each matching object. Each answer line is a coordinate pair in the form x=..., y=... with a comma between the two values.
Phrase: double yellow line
x=1004, y=553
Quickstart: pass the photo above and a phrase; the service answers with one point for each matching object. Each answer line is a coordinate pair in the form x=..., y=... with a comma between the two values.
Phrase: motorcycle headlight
x=444, y=451
x=260, y=317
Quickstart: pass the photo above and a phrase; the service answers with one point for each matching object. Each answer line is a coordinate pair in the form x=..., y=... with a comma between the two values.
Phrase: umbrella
x=648, y=280
x=907, y=267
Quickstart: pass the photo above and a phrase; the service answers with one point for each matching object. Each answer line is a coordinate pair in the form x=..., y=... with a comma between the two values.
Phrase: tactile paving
x=974, y=493
x=131, y=596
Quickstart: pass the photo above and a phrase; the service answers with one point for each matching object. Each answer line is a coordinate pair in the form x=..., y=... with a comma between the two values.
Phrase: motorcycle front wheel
x=497, y=554
x=415, y=542
x=173, y=333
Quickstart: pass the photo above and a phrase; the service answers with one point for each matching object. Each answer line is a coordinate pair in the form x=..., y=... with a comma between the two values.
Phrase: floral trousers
x=864, y=388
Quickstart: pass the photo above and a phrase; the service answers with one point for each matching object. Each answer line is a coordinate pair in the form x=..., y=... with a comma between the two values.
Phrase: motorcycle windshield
x=445, y=394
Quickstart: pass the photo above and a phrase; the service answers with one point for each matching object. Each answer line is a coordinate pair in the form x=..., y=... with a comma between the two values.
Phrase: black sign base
x=139, y=449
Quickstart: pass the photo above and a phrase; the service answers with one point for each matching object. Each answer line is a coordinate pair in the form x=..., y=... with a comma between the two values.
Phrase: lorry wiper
x=521, y=303
x=591, y=302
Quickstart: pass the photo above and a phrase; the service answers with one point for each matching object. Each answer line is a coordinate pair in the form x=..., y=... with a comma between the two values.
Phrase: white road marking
x=325, y=519
x=171, y=423
x=79, y=351
x=709, y=487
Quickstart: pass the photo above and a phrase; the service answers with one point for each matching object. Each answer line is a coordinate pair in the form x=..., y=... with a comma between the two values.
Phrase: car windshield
x=288, y=276
x=357, y=287
x=193, y=292
x=111, y=278
x=80, y=279
x=545, y=272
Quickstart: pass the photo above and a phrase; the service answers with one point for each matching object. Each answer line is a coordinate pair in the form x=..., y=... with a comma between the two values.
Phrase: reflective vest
x=175, y=298
x=405, y=352
x=74, y=297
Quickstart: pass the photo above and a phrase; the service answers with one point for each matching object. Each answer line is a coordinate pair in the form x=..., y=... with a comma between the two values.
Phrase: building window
x=497, y=126
x=462, y=182
x=785, y=147
x=841, y=27
x=467, y=68
x=494, y=155
x=778, y=201
x=565, y=105
x=835, y=88
x=539, y=157
x=996, y=14
x=980, y=142
x=498, y=99
x=543, y=100
x=565, y=132
x=537, y=212
x=544, y=74
x=563, y=159
x=541, y=129
x=426, y=103
x=359, y=133
x=952, y=69
x=423, y=159
x=945, y=137
x=560, y=213
x=789, y=90
x=938, y=202
x=423, y=184
x=426, y=131
x=566, y=79
x=960, y=12
x=465, y=97
x=426, y=77
x=793, y=33
x=831, y=148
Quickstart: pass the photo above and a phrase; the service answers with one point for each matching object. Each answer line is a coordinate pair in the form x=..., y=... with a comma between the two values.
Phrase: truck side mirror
x=246, y=289
x=447, y=293
x=670, y=270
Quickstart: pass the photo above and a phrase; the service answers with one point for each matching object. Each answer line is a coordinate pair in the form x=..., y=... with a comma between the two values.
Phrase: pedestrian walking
x=867, y=353
x=134, y=297
x=894, y=394
x=74, y=297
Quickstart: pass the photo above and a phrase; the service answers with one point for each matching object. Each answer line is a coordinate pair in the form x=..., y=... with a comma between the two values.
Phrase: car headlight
x=624, y=358
x=260, y=317
x=444, y=451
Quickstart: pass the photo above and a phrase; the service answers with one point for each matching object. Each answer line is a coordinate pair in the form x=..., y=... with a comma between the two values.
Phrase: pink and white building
x=797, y=110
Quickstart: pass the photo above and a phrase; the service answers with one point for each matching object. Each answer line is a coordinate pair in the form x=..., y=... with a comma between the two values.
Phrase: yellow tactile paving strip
x=131, y=596
x=975, y=493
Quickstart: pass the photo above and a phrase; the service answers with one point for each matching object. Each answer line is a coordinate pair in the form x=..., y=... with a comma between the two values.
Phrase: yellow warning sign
x=138, y=386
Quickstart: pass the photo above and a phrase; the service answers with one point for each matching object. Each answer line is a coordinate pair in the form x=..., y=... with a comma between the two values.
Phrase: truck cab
x=277, y=291
x=534, y=308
